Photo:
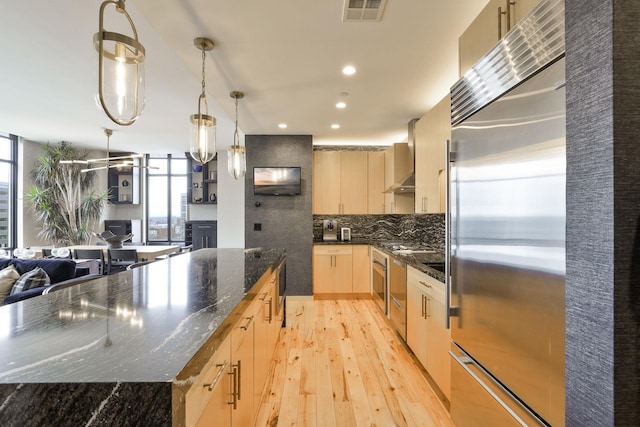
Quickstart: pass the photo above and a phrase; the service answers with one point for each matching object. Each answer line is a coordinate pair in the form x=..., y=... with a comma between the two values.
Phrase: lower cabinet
x=229, y=390
x=201, y=234
x=341, y=270
x=427, y=334
x=210, y=396
x=242, y=357
x=332, y=269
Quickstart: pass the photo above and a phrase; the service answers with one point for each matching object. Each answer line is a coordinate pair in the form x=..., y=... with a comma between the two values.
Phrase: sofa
x=59, y=271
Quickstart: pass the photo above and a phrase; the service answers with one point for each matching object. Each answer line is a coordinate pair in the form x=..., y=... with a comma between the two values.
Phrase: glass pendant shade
x=202, y=133
x=202, y=138
x=236, y=153
x=120, y=71
x=237, y=161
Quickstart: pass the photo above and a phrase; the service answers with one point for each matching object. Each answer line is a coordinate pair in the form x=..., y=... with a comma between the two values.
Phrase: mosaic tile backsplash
x=427, y=229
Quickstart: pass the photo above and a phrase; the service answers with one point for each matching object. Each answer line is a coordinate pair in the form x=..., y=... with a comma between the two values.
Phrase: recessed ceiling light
x=282, y=125
x=335, y=126
x=349, y=70
x=341, y=104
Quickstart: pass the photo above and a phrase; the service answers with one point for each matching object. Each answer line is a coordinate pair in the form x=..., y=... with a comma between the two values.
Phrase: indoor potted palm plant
x=62, y=198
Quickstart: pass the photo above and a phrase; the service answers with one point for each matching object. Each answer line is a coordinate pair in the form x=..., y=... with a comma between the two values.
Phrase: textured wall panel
x=603, y=210
x=286, y=221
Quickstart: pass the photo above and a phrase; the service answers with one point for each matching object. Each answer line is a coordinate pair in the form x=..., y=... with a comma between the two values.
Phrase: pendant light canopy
x=202, y=136
x=236, y=153
x=120, y=70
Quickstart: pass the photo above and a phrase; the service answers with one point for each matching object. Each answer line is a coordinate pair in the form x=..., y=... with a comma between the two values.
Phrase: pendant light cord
x=204, y=56
x=236, y=138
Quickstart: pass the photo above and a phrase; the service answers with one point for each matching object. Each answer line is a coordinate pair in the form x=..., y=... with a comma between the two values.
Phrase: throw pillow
x=8, y=277
x=31, y=279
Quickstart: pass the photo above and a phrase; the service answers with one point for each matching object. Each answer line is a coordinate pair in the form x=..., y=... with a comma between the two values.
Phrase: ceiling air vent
x=363, y=10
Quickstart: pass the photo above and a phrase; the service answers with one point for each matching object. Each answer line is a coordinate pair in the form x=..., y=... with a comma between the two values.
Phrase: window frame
x=169, y=175
x=12, y=228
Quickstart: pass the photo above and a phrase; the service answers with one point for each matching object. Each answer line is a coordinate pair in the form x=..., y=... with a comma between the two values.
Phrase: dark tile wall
x=427, y=229
x=286, y=221
x=603, y=213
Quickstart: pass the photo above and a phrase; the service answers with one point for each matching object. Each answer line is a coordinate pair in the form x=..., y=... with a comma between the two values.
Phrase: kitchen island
x=125, y=349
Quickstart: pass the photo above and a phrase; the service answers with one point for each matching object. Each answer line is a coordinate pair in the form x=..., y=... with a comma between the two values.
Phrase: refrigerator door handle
x=464, y=361
x=449, y=161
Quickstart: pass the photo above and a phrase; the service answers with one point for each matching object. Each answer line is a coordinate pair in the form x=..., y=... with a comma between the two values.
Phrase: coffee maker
x=329, y=230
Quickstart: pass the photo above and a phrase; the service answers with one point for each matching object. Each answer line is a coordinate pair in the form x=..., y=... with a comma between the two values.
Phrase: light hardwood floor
x=338, y=363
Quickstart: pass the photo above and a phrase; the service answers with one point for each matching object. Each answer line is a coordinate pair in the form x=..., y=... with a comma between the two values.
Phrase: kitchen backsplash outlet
x=427, y=229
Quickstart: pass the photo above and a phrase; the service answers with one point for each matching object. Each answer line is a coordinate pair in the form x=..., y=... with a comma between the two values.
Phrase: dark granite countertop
x=416, y=260
x=139, y=326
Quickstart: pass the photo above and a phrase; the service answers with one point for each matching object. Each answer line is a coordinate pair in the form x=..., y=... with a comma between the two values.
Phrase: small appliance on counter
x=345, y=234
x=329, y=230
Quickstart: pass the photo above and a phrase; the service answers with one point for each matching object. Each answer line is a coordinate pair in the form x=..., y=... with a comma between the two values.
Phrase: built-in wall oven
x=379, y=262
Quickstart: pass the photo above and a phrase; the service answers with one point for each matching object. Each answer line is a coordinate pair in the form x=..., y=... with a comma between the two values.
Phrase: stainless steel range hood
x=407, y=184
x=404, y=164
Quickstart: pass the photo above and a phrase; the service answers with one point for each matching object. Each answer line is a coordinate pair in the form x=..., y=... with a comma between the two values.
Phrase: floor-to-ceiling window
x=166, y=198
x=8, y=181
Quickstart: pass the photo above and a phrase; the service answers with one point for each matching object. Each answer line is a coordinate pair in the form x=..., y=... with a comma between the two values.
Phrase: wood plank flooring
x=338, y=363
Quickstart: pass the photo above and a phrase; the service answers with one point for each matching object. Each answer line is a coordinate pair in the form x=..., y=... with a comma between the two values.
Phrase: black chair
x=120, y=259
x=91, y=254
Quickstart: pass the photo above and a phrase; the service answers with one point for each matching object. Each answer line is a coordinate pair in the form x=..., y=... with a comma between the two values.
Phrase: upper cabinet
x=431, y=133
x=124, y=183
x=341, y=183
x=202, y=182
x=491, y=24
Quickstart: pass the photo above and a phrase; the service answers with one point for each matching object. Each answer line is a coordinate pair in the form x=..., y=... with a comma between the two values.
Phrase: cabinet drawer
x=214, y=373
x=332, y=250
x=430, y=286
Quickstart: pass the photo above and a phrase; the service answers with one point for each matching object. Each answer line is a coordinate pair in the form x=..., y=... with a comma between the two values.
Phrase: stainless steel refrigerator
x=507, y=229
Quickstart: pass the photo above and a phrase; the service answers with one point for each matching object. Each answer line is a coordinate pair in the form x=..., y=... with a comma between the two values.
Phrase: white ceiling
x=286, y=55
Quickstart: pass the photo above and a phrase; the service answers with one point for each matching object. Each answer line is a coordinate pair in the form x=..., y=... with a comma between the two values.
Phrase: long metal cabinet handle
x=506, y=12
x=423, y=308
x=463, y=362
x=234, y=385
x=427, y=307
x=221, y=370
x=270, y=303
x=424, y=204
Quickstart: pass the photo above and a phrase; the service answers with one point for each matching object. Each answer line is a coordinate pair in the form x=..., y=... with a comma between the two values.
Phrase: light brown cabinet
x=427, y=334
x=242, y=372
x=332, y=269
x=340, y=182
x=229, y=389
x=431, y=132
x=376, y=171
x=361, y=270
x=341, y=270
x=206, y=402
x=491, y=24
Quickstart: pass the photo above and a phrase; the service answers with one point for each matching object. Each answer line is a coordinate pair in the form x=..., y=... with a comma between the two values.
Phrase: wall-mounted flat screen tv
x=276, y=181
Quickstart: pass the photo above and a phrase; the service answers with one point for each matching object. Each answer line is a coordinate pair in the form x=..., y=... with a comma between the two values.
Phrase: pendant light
x=125, y=161
x=120, y=70
x=236, y=153
x=202, y=137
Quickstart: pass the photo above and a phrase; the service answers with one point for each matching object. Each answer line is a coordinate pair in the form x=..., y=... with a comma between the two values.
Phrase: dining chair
x=91, y=254
x=119, y=259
